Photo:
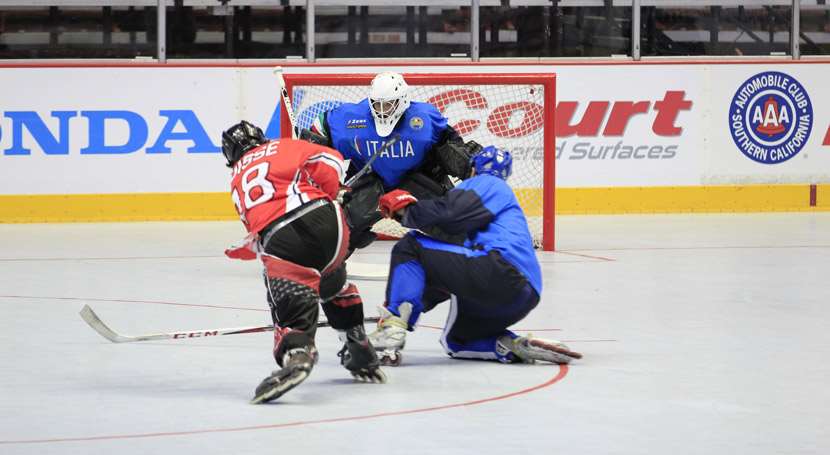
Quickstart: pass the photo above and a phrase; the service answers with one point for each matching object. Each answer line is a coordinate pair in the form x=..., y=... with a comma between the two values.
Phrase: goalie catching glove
x=394, y=201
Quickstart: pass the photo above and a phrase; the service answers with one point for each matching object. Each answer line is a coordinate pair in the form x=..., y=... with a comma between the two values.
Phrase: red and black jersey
x=281, y=175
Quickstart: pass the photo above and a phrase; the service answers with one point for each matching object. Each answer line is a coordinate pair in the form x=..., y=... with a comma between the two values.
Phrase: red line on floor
x=587, y=256
x=563, y=370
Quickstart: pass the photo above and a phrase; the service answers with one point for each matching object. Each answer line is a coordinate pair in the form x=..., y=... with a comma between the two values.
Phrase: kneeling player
x=283, y=191
x=493, y=281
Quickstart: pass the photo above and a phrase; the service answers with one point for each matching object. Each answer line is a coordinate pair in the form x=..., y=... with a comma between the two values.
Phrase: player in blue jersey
x=428, y=152
x=493, y=280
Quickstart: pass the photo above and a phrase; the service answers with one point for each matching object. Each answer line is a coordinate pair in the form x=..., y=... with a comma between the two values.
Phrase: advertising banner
x=123, y=130
x=769, y=124
x=157, y=129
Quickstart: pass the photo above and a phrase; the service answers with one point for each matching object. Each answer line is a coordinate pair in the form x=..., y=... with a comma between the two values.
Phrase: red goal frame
x=547, y=80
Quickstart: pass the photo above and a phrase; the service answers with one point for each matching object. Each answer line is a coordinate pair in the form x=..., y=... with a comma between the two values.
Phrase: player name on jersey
x=270, y=149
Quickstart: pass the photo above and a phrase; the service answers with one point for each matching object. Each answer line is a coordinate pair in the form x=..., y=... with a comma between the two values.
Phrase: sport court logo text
x=770, y=117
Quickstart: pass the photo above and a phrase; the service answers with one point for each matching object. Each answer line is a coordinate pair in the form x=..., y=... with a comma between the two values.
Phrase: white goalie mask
x=388, y=100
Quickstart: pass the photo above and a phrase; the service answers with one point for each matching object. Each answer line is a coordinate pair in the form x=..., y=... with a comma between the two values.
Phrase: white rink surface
x=702, y=334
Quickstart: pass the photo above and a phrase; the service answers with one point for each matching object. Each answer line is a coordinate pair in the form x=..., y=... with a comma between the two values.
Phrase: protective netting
x=507, y=116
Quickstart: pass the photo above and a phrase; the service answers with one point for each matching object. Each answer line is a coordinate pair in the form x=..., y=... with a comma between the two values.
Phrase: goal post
x=513, y=111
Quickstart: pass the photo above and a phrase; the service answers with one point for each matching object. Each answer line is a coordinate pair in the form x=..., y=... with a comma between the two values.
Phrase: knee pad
x=344, y=310
x=332, y=283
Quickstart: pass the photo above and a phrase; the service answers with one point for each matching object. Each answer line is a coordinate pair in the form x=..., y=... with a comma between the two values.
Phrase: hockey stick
x=286, y=101
x=98, y=325
x=357, y=270
x=368, y=166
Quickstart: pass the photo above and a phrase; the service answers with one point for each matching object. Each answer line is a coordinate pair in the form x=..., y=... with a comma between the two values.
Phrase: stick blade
x=98, y=325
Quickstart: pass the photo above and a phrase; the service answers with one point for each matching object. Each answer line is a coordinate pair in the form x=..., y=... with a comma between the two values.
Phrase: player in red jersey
x=284, y=191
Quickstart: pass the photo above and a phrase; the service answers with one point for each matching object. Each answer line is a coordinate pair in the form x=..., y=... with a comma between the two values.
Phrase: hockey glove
x=395, y=200
x=246, y=250
x=314, y=138
x=342, y=194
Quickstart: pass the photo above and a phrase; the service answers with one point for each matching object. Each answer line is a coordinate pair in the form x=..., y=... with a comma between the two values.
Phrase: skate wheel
x=390, y=358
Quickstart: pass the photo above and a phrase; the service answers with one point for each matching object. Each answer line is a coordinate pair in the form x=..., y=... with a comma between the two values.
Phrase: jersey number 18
x=257, y=189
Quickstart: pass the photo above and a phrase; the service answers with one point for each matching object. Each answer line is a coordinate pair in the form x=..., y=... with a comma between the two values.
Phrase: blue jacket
x=486, y=210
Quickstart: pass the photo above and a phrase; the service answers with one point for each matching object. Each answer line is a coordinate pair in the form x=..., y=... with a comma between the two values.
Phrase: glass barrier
x=235, y=32
x=77, y=32
x=814, y=36
x=130, y=31
x=716, y=30
x=547, y=31
x=392, y=31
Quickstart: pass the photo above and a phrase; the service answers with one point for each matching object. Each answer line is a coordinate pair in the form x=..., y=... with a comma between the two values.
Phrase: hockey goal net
x=510, y=111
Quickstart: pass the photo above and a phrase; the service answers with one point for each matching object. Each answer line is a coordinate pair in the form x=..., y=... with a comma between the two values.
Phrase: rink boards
x=141, y=141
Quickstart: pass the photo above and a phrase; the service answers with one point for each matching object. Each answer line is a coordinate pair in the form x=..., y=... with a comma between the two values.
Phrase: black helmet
x=240, y=138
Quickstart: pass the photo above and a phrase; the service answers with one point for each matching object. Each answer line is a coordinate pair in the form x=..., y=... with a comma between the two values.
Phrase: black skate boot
x=298, y=363
x=359, y=357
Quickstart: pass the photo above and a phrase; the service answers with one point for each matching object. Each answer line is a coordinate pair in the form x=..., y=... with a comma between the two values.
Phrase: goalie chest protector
x=353, y=133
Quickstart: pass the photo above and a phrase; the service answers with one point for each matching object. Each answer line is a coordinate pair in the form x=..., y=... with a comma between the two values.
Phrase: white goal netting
x=507, y=111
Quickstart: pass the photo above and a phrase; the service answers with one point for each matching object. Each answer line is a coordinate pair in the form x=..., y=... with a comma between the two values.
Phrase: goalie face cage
x=510, y=111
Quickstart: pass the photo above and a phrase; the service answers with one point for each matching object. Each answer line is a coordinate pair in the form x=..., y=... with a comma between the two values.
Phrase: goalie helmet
x=493, y=161
x=388, y=100
x=240, y=138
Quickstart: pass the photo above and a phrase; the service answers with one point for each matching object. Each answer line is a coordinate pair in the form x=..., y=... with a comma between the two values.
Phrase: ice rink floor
x=702, y=334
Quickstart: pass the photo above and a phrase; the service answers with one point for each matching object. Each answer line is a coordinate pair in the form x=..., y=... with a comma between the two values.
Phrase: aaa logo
x=770, y=117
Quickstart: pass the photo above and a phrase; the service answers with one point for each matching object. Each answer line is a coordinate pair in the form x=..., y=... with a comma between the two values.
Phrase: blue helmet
x=493, y=161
